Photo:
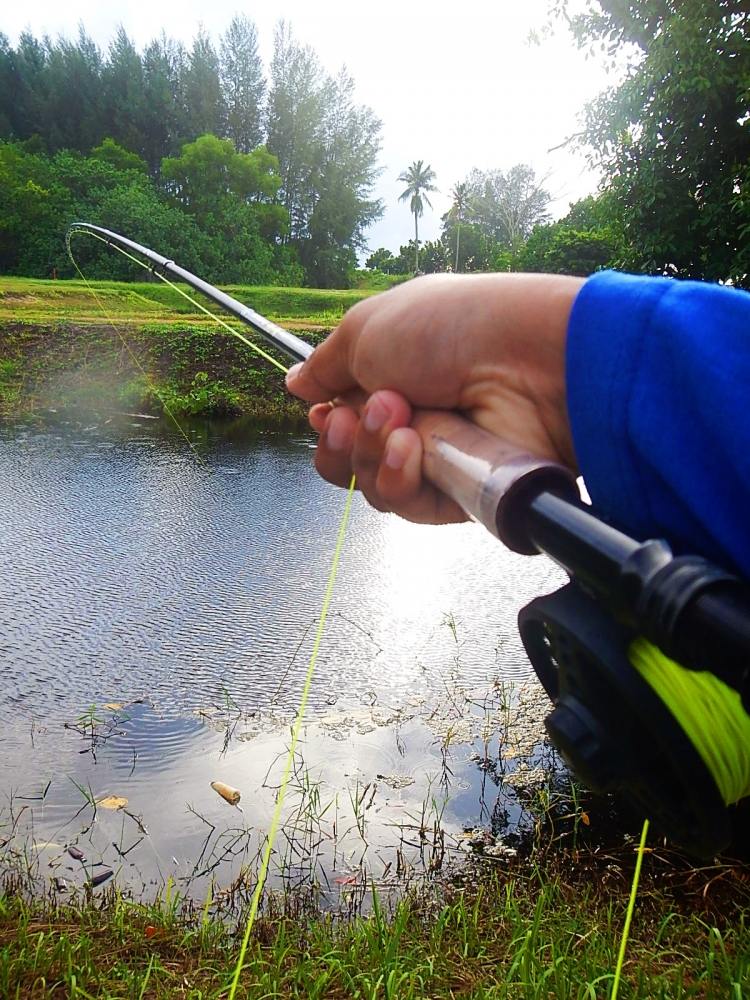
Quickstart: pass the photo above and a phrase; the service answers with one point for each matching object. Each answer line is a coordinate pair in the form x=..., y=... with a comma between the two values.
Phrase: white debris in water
x=396, y=781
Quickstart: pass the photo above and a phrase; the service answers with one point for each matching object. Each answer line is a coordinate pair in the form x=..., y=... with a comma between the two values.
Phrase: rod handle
x=489, y=478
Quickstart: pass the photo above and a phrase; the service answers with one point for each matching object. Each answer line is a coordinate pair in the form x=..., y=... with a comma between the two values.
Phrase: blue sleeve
x=658, y=383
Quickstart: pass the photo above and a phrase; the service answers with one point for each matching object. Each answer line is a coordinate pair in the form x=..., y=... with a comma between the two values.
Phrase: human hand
x=489, y=346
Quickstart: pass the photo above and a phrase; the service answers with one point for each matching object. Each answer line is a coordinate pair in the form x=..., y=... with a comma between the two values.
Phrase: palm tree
x=460, y=194
x=418, y=178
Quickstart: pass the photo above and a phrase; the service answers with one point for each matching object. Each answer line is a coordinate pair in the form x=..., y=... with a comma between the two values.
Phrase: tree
x=23, y=90
x=327, y=147
x=202, y=89
x=73, y=111
x=242, y=83
x=209, y=172
x=109, y=151
x=294, y=117
x=507, y=206
x=124, y=93
x=381, y=260
x=418, y=178
x=460, y=195
x=166, y=118
x=673, y=137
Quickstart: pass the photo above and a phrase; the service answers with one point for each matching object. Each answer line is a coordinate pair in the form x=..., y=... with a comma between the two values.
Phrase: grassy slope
x=116, y=345
x=30, y=300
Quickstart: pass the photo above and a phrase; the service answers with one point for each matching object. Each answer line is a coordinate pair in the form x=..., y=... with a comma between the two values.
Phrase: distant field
x=31, y=300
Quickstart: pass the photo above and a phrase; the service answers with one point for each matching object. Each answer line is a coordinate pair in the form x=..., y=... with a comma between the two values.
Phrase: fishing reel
x=612, y=729
x=608, y=723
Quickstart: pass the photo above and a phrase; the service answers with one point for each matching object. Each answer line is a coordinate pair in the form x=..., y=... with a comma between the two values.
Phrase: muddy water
x=174, y=585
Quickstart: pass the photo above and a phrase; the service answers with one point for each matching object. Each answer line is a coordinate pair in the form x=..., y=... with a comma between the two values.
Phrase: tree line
x=248, y=178
x=266, y=179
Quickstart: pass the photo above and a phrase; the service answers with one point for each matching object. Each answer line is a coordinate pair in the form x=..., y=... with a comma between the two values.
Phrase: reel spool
x=612, y=729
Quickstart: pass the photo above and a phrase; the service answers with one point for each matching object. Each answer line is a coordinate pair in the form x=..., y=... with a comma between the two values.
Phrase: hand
x=490, y=346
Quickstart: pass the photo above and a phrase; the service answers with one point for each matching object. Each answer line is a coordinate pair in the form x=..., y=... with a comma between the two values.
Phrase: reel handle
x=492, y=480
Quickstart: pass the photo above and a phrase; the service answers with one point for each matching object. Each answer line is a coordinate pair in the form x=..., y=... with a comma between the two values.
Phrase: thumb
x=324, y=375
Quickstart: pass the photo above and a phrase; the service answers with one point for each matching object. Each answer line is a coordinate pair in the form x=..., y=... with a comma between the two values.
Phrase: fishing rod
x=644, y=655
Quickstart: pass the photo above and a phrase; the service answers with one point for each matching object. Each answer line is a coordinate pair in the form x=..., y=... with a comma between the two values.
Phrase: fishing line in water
x=709, y=712
x=322, y=619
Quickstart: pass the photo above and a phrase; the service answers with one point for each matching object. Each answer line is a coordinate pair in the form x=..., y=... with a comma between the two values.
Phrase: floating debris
x=500, y=851
x=96, y=880
x=396, y=781
x=76, y=853
x=229, y=794
x=113, y=706
x=112, y=802
x=60, y=884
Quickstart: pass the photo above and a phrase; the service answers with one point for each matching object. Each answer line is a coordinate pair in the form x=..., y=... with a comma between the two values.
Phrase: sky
x=457, y=85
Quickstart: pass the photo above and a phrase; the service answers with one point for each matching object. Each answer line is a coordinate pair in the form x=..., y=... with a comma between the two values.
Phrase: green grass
x=142, y=346
x=541, y=929
x=31, y=300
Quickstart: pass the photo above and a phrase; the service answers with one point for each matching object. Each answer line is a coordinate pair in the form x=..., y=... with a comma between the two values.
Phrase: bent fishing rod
x=631, y=651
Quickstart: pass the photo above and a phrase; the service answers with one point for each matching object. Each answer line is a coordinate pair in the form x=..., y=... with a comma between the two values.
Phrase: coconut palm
x=418, y=178
x=460, y=195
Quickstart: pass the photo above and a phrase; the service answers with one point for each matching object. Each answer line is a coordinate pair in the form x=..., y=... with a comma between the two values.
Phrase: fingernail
x=336, y=435
x=293, y=372
x=375, y=416
x=395, y=456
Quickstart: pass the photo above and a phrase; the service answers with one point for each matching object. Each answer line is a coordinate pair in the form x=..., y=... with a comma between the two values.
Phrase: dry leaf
x=229, y=794
x=112, y=802
x=112, y=706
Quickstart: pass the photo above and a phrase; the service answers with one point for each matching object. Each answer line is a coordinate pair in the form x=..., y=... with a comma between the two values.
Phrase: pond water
x=158, y=598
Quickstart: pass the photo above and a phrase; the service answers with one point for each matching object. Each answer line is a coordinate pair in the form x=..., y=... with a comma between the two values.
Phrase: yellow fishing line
x=629, y=913
x=708, y=710
x=162, y=277
x=275, y=822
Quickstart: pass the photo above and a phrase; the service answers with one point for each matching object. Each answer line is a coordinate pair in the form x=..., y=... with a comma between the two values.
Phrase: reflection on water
x=133, y=567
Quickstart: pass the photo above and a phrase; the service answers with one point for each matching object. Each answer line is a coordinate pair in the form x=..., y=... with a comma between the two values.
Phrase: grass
x=545, y=927
x=31, y=300
x=142, y=346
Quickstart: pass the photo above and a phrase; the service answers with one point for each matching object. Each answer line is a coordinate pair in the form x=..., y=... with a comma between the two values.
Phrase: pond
x=158, y=599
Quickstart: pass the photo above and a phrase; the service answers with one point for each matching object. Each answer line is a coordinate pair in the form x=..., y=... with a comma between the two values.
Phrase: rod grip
x=489, y=478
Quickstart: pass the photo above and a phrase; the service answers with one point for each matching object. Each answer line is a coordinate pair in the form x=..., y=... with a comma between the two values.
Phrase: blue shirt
x=658, y=384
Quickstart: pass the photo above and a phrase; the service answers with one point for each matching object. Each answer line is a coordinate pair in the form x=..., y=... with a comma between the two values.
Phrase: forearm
x=658, y=387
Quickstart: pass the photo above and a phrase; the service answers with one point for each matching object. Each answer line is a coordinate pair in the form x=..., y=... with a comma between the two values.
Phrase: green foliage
x=381, y=259
x=111, y=152
x=203, y=396
x=588, y=239
x=242, y=83
x=377, y=281
x=505, y=206
x=674, y=137
x=196, y=119
x=327, y=147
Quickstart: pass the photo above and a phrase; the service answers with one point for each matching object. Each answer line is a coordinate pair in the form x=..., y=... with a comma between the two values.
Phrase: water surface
x=182, y=583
